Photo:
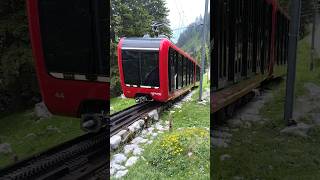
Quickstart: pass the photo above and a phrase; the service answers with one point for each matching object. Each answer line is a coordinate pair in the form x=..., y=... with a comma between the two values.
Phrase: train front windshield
x=141, y=68
x=69, y=37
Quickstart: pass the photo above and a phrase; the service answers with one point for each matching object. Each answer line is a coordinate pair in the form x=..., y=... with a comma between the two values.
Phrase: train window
x=180, y=75
x=68, y=40
x=141, y=68
x=185, y=60
x=176, y=67
x=149, y=65
x=131, y=64
x=171, y=70
x=189, y=71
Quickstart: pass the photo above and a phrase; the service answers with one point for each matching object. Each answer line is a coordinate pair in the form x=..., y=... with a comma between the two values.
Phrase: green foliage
x=182, y=154
x=170, y=154
x=117, y=104
x=190, y=40
x=18, y=82
x=132, y=18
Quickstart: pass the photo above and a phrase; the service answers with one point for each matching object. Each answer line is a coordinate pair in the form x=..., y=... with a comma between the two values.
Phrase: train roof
x=135, y=43
x=147, y=43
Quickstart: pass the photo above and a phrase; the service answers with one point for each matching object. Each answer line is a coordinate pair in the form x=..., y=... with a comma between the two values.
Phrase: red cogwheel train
x=155, y=69
x=250, y=46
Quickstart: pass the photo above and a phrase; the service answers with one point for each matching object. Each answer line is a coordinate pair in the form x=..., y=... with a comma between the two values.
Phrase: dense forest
x=18, y=84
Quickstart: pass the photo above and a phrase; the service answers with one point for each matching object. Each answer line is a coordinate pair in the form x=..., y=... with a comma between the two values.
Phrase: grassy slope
x=261, y=152
x=14, y=129
x=157, y=165
x=117, y=104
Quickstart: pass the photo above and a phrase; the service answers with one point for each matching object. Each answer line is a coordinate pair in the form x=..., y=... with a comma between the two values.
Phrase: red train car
x=250, y=46
x=69, y=47
x=155, y=69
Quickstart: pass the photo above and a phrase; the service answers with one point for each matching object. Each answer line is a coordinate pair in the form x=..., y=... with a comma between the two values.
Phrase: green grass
x=27, y=135
x=167, y=158
x=160, y=161
x=119, y=104
x=261, y=152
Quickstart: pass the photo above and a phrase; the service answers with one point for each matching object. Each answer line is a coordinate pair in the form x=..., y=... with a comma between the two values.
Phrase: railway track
x=84, y=157
x=126, y=117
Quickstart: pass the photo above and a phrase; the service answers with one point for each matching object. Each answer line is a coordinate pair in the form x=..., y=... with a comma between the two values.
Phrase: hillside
x=190, y=39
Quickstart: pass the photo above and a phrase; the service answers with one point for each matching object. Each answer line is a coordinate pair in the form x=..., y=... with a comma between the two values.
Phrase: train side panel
x=63, y=97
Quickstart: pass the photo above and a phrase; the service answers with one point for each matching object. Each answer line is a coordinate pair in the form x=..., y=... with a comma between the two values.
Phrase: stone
x=190, y=154
x=301, y=129
x=30, y=136
x=123, y=96
x=122, y=133
x=224, y=157
x=135, y=127
x=178, y=106
x=154, y=135
x=5, y=148
x=150, y=129
x=143, y=141
x=217, y=142
x=115, y=141
x=144, y=132
x=131, y=161
x=51, y=129
x=119, y=158
x=137, y=140
x=141, y=122
x=112, y=171
x=154, y=115
x=42, y=111
x=117, y=167
x=137, y=151
x=159, y=127
x=129, y=148
x=120, y=174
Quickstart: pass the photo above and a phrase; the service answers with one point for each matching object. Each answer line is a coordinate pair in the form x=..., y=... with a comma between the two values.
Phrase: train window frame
x=177, y=69
x=141, y=82
x=180, y=66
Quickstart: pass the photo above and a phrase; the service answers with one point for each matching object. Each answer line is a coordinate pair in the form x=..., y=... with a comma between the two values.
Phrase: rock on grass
x=5, y=148
x=301, y=129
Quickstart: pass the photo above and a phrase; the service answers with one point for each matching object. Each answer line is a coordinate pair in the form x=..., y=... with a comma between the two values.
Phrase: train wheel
x=91, y=123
